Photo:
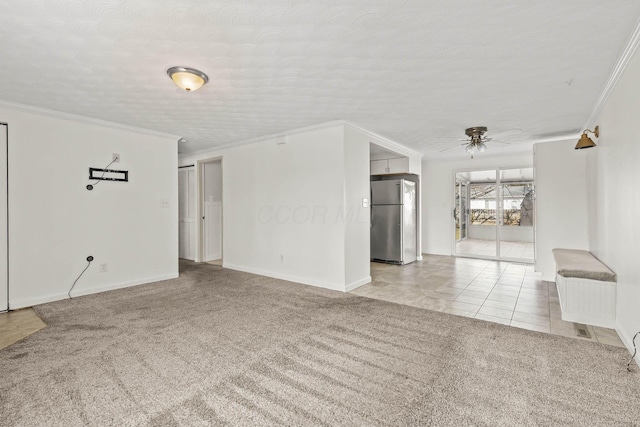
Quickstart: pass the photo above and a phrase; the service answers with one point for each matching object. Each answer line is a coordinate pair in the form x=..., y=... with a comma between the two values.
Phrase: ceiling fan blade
x=452, y=148
x=501, y=142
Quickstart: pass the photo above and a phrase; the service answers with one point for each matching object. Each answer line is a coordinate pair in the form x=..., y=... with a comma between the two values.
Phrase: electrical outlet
x=116, y=158
x=104, y=267
x=281, y=258
x=164, y=203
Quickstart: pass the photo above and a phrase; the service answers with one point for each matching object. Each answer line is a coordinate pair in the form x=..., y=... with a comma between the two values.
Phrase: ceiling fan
x=476, y=141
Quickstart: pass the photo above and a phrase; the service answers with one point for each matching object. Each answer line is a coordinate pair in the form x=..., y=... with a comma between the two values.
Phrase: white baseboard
x=287, y=277
x=419, y=258
x=30, y=302
x=357, y=284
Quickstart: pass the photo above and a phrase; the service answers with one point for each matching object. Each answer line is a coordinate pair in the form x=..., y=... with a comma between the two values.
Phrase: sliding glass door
x=498, y=222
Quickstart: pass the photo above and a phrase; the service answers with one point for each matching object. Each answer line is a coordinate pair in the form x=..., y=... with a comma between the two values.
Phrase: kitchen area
x=395, y=208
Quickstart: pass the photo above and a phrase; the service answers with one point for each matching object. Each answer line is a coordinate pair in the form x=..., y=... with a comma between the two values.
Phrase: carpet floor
x=220, y=347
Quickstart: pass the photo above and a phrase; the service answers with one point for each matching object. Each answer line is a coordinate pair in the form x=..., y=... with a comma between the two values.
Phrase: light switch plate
x=365, y=203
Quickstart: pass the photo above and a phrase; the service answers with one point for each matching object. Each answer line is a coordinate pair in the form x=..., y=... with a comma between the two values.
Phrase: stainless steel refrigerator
x=393, y=221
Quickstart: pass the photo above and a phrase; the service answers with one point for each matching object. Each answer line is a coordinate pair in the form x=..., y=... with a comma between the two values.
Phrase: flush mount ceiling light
x=188, y=79
x=585, y=141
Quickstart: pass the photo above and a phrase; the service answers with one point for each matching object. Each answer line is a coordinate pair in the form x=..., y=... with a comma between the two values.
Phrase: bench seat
x=586, y=288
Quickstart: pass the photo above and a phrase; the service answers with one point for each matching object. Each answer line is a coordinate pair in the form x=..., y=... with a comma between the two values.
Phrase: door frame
x=187, y=169
x=200, y=249
x=499, y=208
x=5, y=201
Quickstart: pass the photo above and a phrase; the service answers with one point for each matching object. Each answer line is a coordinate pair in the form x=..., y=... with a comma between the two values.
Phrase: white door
x=187, y=214
x=212, y=231
x=4, y=268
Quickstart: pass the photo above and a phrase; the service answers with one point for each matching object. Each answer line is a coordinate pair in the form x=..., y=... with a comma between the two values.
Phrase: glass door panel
x=464, y=210
x=516, y=226
x=479, y=209
x=461, y=211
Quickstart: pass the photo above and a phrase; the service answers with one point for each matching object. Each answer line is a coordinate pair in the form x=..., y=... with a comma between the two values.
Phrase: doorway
x=494, y=214
x=211, y=211
x=4, y=230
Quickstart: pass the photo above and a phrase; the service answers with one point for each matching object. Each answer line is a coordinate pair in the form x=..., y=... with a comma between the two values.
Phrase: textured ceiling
x=418, y=72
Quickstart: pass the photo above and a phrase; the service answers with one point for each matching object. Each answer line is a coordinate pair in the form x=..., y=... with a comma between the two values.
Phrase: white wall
x=55, y=222
x=357, y=218
x=437, y=194
x=614, y=195
x=301, y=200
x=561, y=202
x=286, y=201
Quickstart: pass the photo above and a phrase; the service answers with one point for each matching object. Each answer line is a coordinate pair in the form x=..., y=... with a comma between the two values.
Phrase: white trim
x=357, y=284
x=214, y=150
x=616, y=74
x=419, y=258
x=287, y=277
x=83, y=119
x=392, y=145
x=30, y=302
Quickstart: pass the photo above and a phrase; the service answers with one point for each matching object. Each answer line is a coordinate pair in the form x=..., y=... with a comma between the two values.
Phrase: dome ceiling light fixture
x=186, y=78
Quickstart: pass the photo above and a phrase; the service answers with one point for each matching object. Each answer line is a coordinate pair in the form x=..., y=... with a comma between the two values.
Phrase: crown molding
x=387, y=142
x=263, y=138
x=83, y=119
x=390, y=144
x=618, y=71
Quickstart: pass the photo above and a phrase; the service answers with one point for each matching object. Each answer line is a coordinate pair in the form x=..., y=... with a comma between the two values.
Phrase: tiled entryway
x=501, y=292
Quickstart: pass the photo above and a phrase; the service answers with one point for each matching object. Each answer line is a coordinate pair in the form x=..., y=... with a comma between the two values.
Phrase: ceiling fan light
x=482, y=147
x=469, y=148
x=188, y=79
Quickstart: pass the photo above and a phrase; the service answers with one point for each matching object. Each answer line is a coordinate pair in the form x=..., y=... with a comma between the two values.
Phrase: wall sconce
x=585, y=141
x=188, y=79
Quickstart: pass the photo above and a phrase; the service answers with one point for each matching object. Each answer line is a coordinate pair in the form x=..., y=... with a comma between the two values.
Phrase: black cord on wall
x=89, y=259
x=635, y=350
x=90, y=186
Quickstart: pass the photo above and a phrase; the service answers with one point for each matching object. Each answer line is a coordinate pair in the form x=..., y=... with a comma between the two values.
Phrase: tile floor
x=520, y=250
x=17, y=325
x=496, y=291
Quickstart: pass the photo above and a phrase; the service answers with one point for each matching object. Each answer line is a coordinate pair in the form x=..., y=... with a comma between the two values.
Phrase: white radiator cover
x=592, y=302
